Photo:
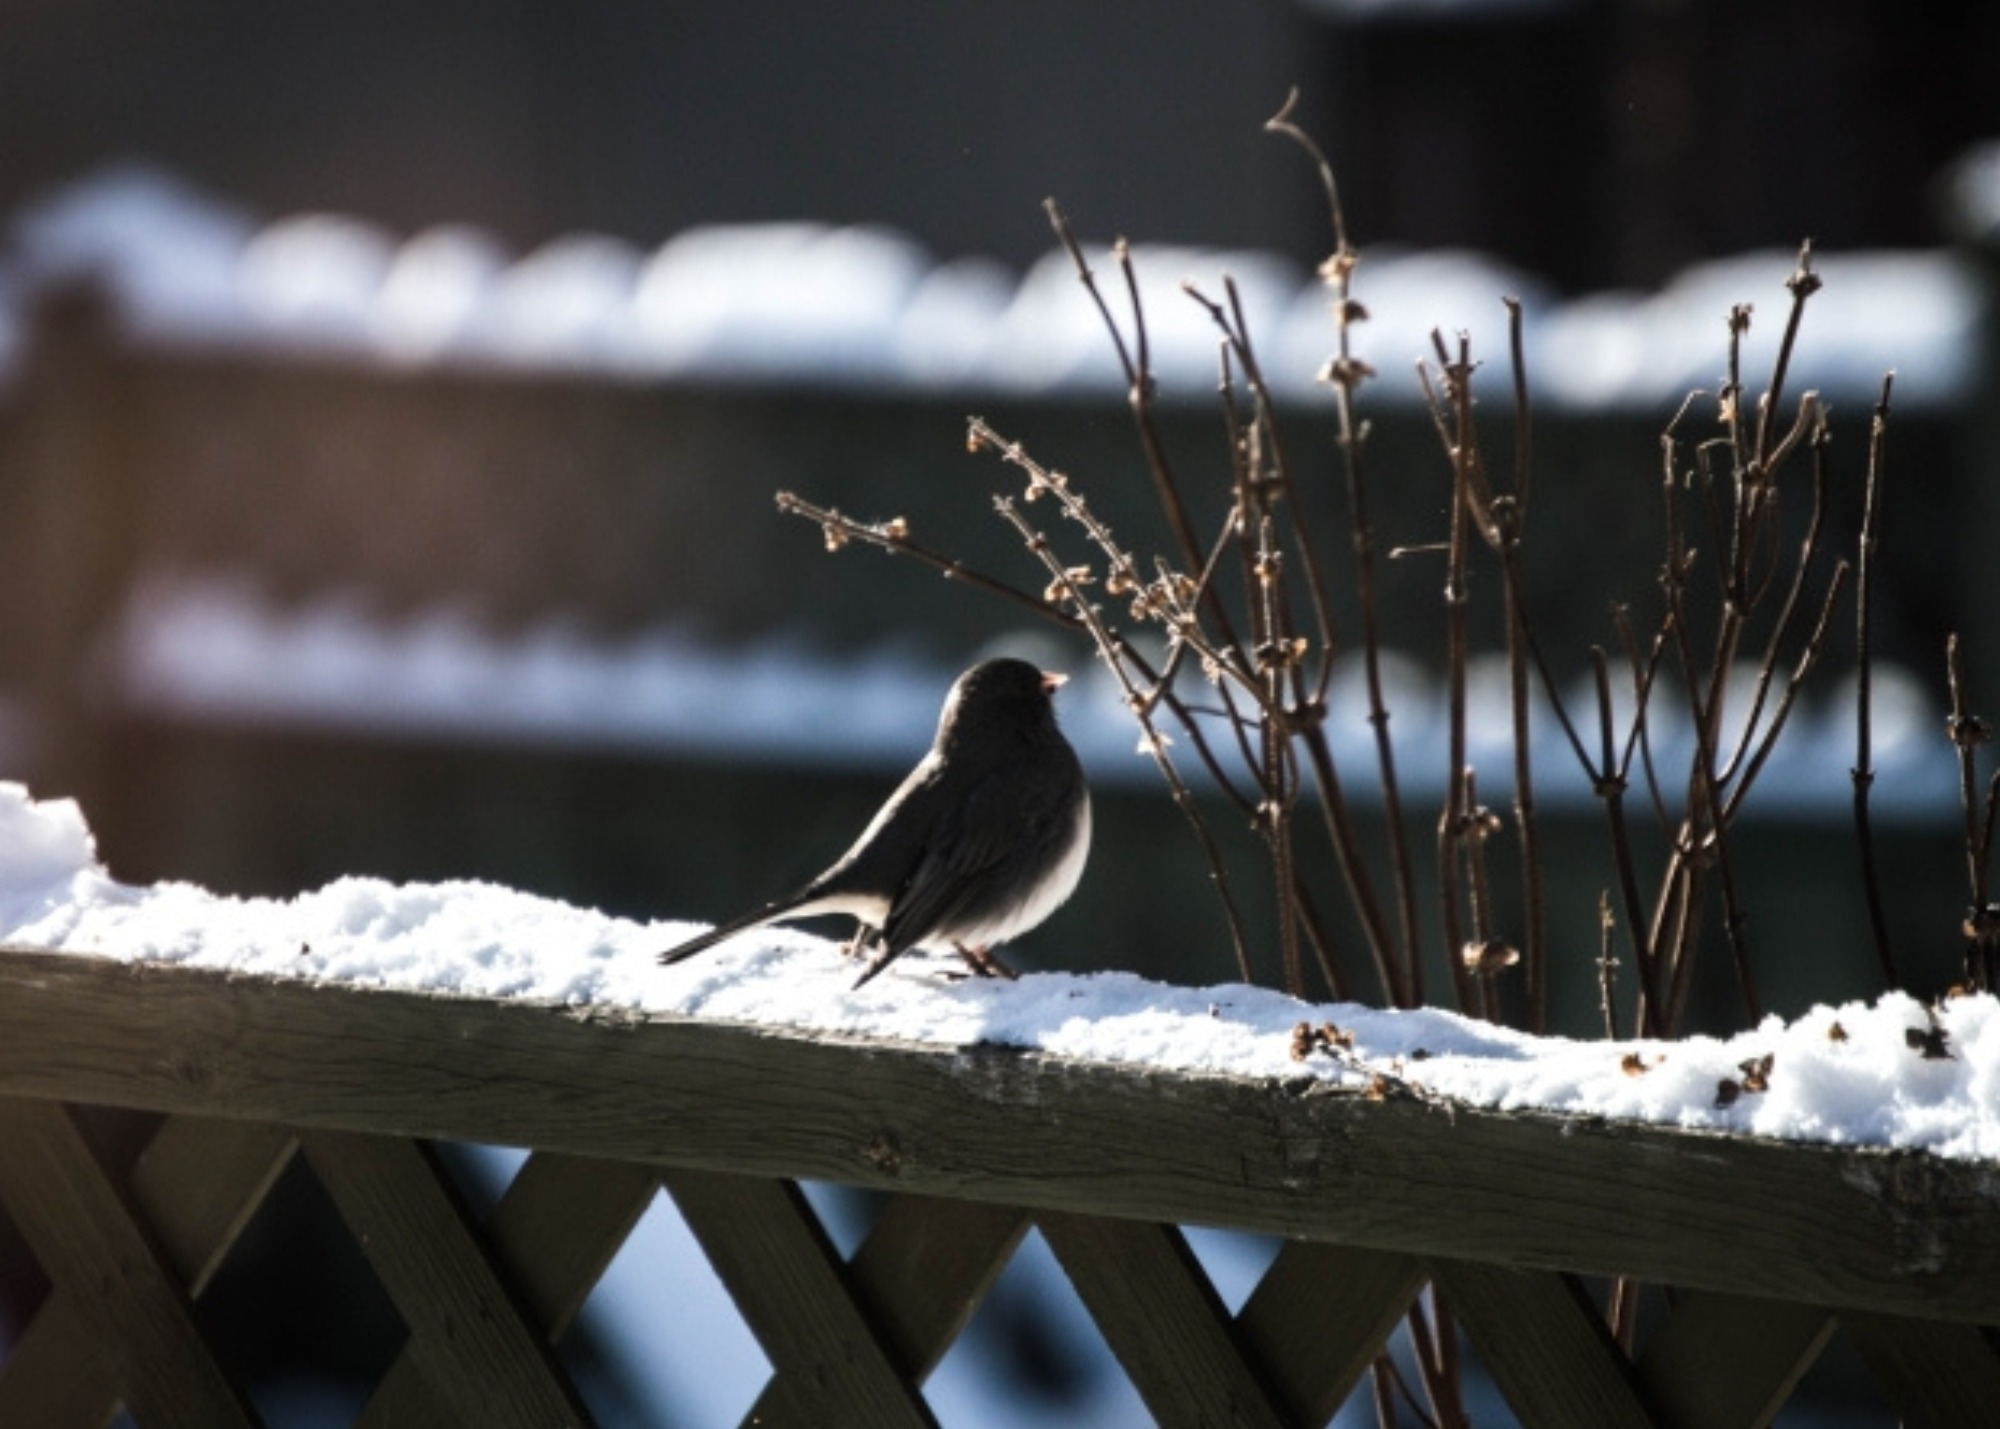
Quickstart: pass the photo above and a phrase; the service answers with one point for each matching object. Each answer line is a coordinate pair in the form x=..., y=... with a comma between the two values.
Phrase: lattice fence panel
x=851, y=1339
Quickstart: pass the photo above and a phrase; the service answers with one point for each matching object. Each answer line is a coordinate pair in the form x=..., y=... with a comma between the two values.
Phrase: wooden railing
x=1770, y=1246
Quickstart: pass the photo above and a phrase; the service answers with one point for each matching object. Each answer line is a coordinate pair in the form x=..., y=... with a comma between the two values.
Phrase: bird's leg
x=984, y=963
x=862, y=936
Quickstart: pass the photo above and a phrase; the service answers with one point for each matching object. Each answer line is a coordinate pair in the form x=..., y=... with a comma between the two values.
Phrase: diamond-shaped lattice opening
x=295, y=1311
x=1032, y=1355
x=659, y=1341
x=1481, y=1398
x=845, y=1213
x=480, y=1173
x=1234, y=1261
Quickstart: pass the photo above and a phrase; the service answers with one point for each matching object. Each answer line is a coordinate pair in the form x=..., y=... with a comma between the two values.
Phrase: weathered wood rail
x=1771, y=1246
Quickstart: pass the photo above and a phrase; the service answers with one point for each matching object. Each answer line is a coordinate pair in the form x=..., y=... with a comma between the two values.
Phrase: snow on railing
x=1847, y=1076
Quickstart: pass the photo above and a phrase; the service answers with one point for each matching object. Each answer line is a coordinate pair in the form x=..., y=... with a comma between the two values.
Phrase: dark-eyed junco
x=984, y=839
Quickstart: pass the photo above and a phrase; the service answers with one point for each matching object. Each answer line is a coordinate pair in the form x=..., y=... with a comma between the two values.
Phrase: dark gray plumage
x=985, y=838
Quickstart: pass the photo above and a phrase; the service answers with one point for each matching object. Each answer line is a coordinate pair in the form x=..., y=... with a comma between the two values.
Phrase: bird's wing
x=973, y=836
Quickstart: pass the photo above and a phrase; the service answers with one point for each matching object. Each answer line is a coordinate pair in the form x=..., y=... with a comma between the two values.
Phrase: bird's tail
x=702, y=942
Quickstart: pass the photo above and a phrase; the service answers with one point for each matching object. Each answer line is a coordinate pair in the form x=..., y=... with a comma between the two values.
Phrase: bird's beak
x=1053, y=680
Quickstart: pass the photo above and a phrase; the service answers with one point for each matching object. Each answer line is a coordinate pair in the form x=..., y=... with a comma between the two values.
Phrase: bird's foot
x=984, y=963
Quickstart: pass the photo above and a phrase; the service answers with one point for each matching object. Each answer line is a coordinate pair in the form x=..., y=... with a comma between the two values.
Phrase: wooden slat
x=199, y=1181
x=559, y=1224
x=773, y=1257
x=918, y=1276
x=1938, y=1376
x=480, y=1359
x=1729, y=1361
x=196, y=1185
x=61, y=1373
x=79, y=1229
x=553, y=1231
x=926, y=1265
x=1545, y=1346
x=1319, y=1317
x=1157, y=1310
x=1895, y=1233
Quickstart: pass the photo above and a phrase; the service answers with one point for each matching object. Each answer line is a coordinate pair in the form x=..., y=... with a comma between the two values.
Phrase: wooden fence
x=1771, y=1246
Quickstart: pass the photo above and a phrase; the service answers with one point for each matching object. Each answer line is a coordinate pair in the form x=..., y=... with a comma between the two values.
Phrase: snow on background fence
x=865, y=307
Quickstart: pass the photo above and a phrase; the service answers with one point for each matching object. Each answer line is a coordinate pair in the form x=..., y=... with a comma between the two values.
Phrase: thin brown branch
x=1153, y=741
x=1864, y=772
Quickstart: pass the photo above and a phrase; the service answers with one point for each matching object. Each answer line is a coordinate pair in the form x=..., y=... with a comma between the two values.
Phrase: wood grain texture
x=482, y=1361
x=195, y=1186
x=1545, y=1346
x=150, y=1351
x=1938, y=1376
x=1895, y=1233
x=919, y=1275
x=199, y=1181
x=557, y=1226
x=1317, y=1320
x=1729, y=1361
x=1162, y=1319
x=773, y=1257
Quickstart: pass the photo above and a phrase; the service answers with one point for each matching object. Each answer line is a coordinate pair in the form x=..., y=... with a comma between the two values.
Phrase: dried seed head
x=1969, y=731
x=1489, y=957
x=836, y=536
x=1337, y=267
x=1346, y=372
x=896, y=529
x=1804, y=282
x=1933, y=1042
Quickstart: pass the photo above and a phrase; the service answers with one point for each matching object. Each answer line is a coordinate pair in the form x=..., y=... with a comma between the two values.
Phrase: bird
x=983, y=840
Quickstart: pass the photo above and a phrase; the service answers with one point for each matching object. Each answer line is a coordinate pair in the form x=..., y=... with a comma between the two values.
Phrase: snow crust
x=867, y=308
x=1892, y=1073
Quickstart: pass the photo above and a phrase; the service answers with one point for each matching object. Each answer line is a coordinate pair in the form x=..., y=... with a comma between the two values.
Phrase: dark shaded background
x=1596, y=143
